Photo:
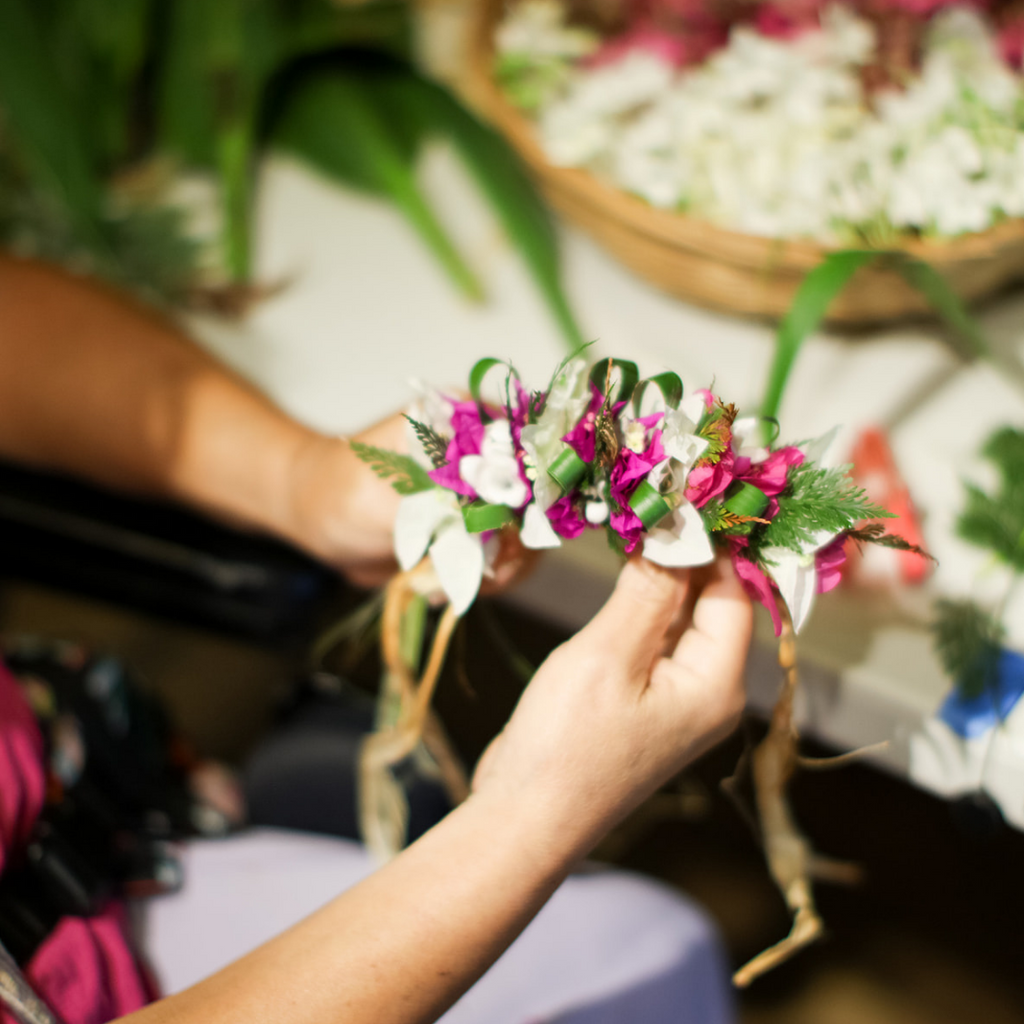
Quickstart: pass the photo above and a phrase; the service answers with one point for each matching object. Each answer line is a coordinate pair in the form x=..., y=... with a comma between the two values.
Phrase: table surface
x=366, y=309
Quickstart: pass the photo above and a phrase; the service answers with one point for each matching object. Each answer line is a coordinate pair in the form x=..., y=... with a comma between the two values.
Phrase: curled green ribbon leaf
x=567, y=470
x=476, y=375
x=629, y=375
x=482, y=515
x=649, y=505
x=476, y=381
x=749, y=501
x=668, y=383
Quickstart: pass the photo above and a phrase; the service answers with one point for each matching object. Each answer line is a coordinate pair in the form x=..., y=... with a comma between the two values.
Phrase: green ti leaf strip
x=363, y=123
x=815, y=295
x=403, y=473
x=669, y=384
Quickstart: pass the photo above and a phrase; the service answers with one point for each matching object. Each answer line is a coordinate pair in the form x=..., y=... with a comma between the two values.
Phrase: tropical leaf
x=968, y=641
x=815, y=295
x=995, y=521
x=502, y=178
x=40, y=121
x=360, y=122
x=217, y=61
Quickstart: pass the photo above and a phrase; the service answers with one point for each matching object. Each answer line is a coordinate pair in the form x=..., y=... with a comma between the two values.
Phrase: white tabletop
x=366, y=309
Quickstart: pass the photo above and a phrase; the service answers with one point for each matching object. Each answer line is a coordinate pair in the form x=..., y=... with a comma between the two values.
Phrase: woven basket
x=721, y=269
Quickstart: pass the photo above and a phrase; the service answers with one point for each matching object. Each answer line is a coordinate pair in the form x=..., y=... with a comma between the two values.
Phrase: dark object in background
x=118, y=792
x=304, y=776
x=157, y=558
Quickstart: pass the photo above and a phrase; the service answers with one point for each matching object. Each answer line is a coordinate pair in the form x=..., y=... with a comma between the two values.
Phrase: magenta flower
x=629, y=469
x=1011, y=42
x=770, y=474
x=645, y=37
x=828, y=564
x=467, y=439
x=709, y=481
x=788, y=20
x=565, y=518
x=627, y=524
x=582, y=438
x=755, y=581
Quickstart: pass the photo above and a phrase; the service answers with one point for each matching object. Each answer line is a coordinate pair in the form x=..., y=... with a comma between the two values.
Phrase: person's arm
x=610, y=715
x=94, y=385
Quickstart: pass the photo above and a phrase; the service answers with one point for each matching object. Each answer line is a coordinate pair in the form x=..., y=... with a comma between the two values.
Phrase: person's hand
x=345, y=514
x=342, y=511
x=652, y=682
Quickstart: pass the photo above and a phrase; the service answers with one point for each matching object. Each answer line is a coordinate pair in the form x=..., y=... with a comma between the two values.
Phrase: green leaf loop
x=476, y=381
x=669, y=384
x=748, y=501
x=482, y=515
x=567, y=470
x=649, y=505
x=629, y=376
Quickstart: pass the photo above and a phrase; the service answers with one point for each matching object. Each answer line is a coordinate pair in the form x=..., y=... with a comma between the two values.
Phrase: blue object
x=974, y=716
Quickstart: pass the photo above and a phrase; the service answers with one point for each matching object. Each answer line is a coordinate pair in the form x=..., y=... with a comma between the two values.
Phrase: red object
x=874, y=469
x=85, y=971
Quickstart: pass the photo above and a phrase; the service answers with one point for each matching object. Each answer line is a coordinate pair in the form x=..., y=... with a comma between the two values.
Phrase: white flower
x=679, y=433
x=795, y=574
x=777, y=138
x=494, y=473
x=680, y=539
x=432, y=409
x=794, y=571
x=747, y=439
x=542, y=442
x=431, y=522
x=538, y=29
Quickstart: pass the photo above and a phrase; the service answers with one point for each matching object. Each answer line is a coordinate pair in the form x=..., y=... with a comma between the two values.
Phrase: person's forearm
x=402, y=945
x=96, y=386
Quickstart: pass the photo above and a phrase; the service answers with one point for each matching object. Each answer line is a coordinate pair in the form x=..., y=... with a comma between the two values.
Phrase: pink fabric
x=85, y=970
x=22, y=779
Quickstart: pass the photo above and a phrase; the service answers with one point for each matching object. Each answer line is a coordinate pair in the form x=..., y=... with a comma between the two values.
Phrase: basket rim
x=680, y=229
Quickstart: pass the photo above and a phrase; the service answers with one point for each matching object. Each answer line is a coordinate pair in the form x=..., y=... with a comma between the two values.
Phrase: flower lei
x=672, y=477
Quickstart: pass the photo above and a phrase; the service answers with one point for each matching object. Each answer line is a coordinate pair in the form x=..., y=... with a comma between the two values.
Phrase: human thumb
x=632, y=625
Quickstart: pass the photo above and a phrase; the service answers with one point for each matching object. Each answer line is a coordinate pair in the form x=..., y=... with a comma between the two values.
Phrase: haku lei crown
x=675, y=477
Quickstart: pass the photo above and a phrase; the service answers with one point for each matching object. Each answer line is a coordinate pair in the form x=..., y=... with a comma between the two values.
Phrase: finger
x=715, y=645
x=698, y=579
x=631, y=627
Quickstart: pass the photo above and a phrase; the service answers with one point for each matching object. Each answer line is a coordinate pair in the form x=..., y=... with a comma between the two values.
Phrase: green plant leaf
x=818, y=499
x=815, y=295
x=99, y=48
x=40, y=120
x=502, y=178
x=995, y=521
x=360, y=122
x=941, y=297
x=435, y=445
x=403, y=473
x=217, y=61
x=968, y=641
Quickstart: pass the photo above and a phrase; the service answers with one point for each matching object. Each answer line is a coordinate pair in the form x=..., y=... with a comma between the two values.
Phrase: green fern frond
x=996, y=521
x=434, y=444
x=819, y=499
x=403, y=473
x=968, y=641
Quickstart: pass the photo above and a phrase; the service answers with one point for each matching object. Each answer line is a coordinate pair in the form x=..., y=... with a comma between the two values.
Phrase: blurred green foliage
x=95, y=92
